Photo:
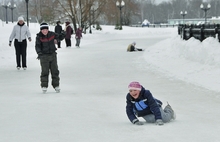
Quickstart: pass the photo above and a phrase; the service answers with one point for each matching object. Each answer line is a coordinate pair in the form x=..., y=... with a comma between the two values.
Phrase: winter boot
x=169, y=108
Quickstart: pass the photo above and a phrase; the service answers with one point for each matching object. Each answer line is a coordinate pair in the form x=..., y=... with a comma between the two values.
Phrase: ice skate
x=44, y=89
x=57, y=89
x=18, y=68
x=169, y=108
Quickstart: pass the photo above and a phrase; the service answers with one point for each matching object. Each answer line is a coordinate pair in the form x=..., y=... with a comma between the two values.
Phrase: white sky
x=94, y=79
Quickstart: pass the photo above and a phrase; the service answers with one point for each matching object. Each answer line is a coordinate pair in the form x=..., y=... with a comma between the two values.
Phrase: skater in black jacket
x=46, y=50
x=58, y=30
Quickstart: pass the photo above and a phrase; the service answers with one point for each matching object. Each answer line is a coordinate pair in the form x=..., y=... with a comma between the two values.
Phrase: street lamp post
x=183, y=14
x=27, y=12
x=205, y=9
x=6, y=13
x=90, y=29
x=12, y=8
x=120, y=6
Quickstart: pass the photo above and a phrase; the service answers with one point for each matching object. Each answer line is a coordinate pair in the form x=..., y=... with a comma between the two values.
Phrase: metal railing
x=199, y=32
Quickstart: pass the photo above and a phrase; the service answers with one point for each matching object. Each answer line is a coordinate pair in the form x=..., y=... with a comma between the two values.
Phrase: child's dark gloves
x=139, y=123
x=159, y=122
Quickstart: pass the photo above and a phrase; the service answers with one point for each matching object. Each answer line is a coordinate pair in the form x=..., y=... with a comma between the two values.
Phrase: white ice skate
x=44, y=89
x=57, y=89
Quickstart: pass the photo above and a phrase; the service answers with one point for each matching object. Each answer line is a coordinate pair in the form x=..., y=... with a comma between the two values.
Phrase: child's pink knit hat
x=134, y=86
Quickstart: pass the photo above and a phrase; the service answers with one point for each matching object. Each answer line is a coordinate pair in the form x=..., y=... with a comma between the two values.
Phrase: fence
x=155, y=25
x=199, y=32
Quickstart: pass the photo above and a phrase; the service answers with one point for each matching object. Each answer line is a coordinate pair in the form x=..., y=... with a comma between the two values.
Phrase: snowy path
x=91, y=105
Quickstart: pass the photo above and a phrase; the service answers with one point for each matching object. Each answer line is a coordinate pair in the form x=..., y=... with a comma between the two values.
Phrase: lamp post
x=27, y=12
x=183, y=14
x=90, y=29
x=6, y=14
x=12, y=7
x=120, y=6
x=205, y=9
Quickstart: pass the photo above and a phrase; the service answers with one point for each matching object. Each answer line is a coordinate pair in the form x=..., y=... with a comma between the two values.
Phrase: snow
x=94, y=79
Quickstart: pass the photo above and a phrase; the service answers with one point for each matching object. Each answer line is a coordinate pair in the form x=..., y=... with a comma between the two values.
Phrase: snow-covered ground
x=94, y=79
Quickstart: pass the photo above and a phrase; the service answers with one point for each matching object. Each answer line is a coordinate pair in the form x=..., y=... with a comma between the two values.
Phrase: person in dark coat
x=78, y=36
x=19, y=33
x=141, y=103
x=131, y=47
x=58, y=30
x=46, y=50
x=68, y=30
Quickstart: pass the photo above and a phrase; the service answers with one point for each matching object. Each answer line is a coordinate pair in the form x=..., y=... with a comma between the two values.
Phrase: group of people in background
x=66, y=34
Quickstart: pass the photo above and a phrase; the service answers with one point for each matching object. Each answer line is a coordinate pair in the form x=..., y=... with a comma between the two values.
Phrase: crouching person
x=46, y=50
x=141, y=103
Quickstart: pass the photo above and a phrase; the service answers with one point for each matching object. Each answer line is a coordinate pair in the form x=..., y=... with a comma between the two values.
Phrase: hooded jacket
x=145, y=104
x=45, y=43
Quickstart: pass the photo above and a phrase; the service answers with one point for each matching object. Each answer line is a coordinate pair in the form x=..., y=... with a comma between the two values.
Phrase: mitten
x=137, y=122
x=159, y=122
x=39, y=56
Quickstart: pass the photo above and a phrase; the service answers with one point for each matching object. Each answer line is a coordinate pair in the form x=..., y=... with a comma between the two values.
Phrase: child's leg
x=165, y=114
x=44, y=71
x=54, y=71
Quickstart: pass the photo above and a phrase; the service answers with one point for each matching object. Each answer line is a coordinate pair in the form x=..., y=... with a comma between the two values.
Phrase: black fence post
x=202, y=32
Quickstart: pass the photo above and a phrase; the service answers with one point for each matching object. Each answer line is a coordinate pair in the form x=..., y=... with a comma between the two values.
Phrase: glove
x=29, y=39
x=139, y=123
x=9, y=43
x=39, y=56
x=159, y=122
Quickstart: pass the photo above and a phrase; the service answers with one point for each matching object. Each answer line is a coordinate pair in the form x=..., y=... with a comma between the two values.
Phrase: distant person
x=58, y=30
x=20, y=32
x=131, y=47
x=78, y=36
x=46, y=50
x=141, y=103
x=69, y=31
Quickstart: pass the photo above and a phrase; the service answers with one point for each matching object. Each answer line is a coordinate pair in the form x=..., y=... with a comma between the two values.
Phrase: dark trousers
x=21, y=52
x=68, y=42
x=49, y=65
x=58, y=44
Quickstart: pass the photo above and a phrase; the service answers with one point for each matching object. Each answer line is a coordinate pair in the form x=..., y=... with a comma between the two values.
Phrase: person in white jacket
x=19, y=33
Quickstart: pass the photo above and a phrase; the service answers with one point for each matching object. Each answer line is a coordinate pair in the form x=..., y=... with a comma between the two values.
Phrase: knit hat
x=20, y=18
x=44, y=26
x=134, y=43
x=134, y=86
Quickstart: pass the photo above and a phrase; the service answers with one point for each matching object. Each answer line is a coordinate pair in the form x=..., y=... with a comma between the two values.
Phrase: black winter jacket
x=45, y=44
x=58, y=29
x=145, y=104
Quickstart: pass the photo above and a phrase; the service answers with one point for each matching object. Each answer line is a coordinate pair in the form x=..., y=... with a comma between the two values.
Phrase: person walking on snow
x=78, y=36
x=20, y=32
x=46, y=50
x=58, y=30
x=68, y=29
x=141, y=103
